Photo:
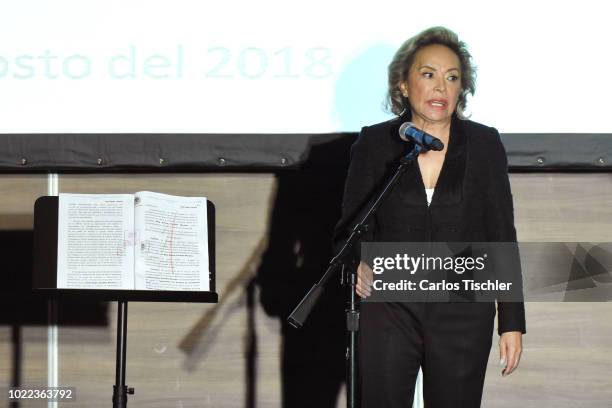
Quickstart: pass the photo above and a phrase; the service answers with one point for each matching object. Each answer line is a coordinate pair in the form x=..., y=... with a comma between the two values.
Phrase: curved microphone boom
x=409, y=132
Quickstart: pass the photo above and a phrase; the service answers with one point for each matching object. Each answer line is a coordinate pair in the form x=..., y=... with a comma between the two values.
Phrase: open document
x=144, y=241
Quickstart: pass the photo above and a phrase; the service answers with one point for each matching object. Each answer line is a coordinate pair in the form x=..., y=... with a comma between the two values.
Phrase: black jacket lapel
x=450, y=182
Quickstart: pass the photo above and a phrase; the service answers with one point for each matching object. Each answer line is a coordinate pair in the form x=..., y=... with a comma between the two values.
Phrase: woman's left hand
x=510, y=349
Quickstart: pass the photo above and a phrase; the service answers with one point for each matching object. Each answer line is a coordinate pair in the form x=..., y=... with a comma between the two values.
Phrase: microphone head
x=403, y=129
x=410, y=133
x=436, y=144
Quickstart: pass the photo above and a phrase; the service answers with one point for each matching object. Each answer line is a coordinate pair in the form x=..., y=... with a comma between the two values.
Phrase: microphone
x=409, y=132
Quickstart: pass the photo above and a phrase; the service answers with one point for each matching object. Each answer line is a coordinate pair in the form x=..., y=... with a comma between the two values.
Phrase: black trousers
x=451, y=341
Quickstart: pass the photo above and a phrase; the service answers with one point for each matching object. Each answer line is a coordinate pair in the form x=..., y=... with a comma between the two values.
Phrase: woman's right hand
x=364, y=280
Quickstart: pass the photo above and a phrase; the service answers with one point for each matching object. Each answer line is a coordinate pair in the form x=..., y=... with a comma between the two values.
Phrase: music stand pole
x=120, y=390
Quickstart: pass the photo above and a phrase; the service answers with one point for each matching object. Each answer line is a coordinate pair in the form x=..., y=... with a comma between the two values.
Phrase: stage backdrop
x=254, y=105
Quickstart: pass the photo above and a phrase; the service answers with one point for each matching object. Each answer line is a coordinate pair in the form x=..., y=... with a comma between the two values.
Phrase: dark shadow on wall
x=20, y=306
x=305, y=211
x=196, y=344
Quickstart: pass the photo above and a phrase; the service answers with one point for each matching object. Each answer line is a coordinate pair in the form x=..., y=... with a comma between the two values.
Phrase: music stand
x=44, y=281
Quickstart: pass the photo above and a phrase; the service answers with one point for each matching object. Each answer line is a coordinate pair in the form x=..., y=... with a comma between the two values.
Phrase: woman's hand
x=510, y=349
x=364, y=280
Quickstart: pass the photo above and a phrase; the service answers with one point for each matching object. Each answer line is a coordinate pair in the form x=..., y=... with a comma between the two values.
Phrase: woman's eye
x=453, y=77
x=427, y=74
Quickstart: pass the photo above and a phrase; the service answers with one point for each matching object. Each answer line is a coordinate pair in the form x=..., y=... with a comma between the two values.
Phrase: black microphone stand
x=303, y=309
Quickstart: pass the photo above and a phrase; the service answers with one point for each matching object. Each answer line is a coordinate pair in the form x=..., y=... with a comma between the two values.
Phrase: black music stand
x=44, y=281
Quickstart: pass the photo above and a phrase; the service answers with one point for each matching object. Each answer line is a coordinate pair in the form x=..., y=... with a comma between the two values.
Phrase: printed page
x=172, y=242
x=95, y=247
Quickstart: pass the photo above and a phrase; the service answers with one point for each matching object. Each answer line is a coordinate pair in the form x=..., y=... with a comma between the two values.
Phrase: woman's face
x=433, y=85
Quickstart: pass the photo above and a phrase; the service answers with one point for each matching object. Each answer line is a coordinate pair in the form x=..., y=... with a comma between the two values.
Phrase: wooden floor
x=191, y=355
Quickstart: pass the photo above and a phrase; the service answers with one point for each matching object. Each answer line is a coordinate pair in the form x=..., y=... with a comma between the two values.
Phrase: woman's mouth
x=438, y=103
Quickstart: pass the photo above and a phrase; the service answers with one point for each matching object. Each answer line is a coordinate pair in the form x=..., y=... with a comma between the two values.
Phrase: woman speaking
x=459, y=194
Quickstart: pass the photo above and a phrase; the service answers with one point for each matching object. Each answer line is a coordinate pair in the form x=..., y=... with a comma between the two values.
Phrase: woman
x=459, y=194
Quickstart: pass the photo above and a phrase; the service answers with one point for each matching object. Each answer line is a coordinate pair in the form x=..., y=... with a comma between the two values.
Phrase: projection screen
x=288, y=67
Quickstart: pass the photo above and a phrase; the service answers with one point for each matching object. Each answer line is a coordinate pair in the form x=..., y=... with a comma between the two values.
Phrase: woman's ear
x=404, y=89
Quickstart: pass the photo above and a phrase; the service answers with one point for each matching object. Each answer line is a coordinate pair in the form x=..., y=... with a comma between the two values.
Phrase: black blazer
x=472, y=201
